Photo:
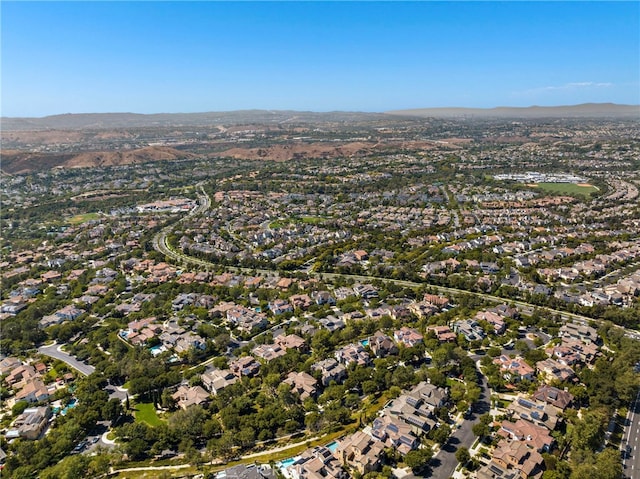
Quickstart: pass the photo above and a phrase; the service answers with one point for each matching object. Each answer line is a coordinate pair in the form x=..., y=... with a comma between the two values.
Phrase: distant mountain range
x=585, y=110
x=85, y=121
x=99, y=121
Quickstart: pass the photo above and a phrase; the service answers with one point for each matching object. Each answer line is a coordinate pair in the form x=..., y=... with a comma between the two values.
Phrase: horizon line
x=327, y=111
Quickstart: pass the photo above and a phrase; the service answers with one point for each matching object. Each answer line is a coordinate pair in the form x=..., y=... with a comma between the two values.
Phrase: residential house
x=436, y=300
x=188, y=341
x=323, y=297
x=470, y=329
x=13, y=306
x=268, y=352
x=513, y=460
x=332, y=323
x=536, y=437
x=51, y=276
x=360, y=452
x=284, y=283
x=33, y=391
x=554, y=370
x=330, y=370
x=21, y=374
x=343, y=292
x=280, y=306
x=394, y=432
x=69, y=313
x=506, y=311
x=317, y=463
x=570, y=349
x=579, y=332
x=564, y=354
x=215, y=380
x=443, y=334
x=300, y=301
x=539, y=413
x=187, y=396
x=303, y=384
x=515, y=369
x=361, y=255
x=365, y=291
x=352, y=353
x=494, y=319
x=423, y=309
x=382, y=345
x=245, y=366
x=554, y=396
x=416, y=407
x=30, y=424
x=401, y=312
x=409, y=337
x=245, y=319
x=8, y=364
x=291, y=341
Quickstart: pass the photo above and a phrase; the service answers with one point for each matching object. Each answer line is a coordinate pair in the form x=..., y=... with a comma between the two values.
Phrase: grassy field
x=312, y=220
x=277, y=224
x=570, y=189
x=146, y=412
x=78, y=219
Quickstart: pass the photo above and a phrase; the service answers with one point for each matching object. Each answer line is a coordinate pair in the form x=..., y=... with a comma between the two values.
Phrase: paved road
x=54, y=351
x=445, y=462
x=631, y=442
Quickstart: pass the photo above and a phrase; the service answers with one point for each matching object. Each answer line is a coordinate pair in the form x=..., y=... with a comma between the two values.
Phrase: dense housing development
x=401, y=297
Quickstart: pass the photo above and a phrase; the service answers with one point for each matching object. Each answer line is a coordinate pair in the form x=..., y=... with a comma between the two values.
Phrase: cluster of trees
x=26, y=457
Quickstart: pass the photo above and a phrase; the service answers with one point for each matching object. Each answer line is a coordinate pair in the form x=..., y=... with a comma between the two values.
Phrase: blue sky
x=150, y=57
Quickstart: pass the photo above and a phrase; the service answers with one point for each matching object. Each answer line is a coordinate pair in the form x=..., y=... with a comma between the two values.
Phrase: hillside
x=99, y=121
x=21, y=162
x=586, y=110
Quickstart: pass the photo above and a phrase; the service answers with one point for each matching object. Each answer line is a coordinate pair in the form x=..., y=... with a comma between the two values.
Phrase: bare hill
x=21, y=162
x=586, y=110
x=296, y=151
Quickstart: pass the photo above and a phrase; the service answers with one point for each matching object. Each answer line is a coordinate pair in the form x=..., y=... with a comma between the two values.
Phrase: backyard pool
x=286, y=463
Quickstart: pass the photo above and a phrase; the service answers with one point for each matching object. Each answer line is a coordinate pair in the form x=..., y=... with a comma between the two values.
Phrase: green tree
x=462, y=455
x=418, y=460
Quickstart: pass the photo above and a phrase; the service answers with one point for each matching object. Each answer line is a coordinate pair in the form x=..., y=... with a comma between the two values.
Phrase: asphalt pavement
x=55, y=351
x=444, y=463
x=631, y=441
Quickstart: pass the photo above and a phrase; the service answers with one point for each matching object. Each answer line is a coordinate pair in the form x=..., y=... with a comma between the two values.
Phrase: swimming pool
x=287, y=462
x=157, y=350
x=332, y=446
x=70, y=406
x=365, y=342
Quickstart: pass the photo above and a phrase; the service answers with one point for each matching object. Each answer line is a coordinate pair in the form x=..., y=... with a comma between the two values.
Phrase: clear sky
x=151, y=57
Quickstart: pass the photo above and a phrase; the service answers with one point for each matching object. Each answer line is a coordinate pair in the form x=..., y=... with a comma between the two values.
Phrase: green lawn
x=277, y=224
x=78, y=219
x=146, y=412
x=571, y=189
x=312, y=220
